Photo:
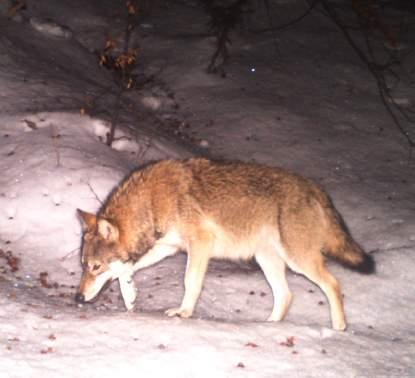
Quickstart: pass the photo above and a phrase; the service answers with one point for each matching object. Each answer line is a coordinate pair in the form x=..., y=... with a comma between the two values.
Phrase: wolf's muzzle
x=79, y=298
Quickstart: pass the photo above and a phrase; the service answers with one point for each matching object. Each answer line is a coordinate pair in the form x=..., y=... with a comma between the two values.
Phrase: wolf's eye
x=96, y=266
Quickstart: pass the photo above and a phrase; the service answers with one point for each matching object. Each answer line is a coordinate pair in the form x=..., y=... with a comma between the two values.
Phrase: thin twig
x=271, y=25
x=55, y=137
x=69, y=254
x=131, y=24
x=374, y=69
x=144, y=150
x=94, y=193
x=290, y=23
x=222, y=20
x=115, y=116
x=397, y=248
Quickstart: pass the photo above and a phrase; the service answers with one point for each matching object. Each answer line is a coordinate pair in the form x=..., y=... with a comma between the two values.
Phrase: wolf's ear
x=108, y=230
x=88, y=220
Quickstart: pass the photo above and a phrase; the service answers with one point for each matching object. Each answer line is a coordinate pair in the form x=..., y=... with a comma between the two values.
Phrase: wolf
x=217, y=210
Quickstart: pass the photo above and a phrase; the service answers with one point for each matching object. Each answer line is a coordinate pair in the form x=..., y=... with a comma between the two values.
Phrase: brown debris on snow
x=46, y=351
x=289, y=342
x=12, y=261
x=44, y=281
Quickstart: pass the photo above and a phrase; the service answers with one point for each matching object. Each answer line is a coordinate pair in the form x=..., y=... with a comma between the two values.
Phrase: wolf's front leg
x=128, y=291
x=197, y=263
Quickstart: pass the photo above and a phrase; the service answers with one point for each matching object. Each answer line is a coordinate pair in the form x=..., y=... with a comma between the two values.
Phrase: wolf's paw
x=183, y=313
x=274, y=318
x=129, y=306
x=339, y=326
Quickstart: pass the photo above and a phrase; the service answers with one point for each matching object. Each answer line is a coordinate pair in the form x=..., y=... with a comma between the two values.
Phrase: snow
x=313, y=110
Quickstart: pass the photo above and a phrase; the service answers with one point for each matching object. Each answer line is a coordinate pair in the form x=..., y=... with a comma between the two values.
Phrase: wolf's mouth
x=80, y=298
x=103, y=288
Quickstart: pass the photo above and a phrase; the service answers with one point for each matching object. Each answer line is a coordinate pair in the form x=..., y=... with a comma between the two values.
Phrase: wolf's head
x=102, y=256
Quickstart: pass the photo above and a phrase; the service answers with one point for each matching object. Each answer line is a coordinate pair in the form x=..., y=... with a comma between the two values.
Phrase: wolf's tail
x=341, y=247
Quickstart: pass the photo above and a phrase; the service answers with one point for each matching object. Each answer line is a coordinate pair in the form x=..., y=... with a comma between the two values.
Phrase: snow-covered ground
x=312, y=108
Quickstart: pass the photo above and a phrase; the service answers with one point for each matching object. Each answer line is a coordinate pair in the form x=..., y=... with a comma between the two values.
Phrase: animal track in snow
x=11, y=213
x=57, y=199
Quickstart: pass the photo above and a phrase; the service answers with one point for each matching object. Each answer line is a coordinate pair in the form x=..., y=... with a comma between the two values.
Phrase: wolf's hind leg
x=314, y=269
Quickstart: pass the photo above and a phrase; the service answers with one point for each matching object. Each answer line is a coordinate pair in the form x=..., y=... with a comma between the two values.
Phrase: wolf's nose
x=79, y=298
